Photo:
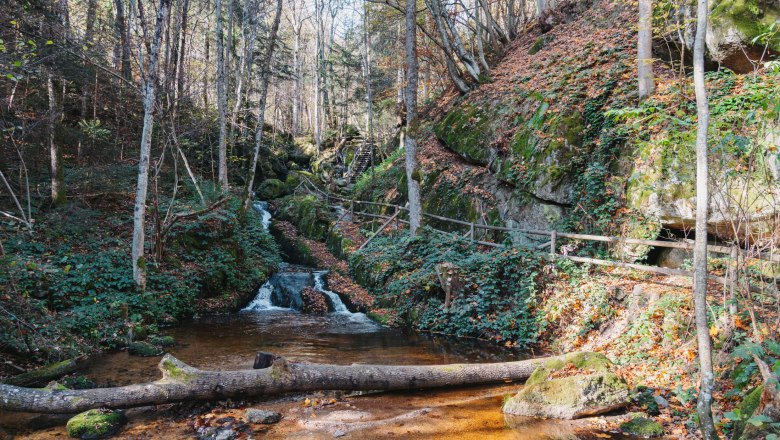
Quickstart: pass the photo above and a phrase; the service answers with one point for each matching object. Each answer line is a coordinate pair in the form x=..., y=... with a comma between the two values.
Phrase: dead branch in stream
x=181, y=382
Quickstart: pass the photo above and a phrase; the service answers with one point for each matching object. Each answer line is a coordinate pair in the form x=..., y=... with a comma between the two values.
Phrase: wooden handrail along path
x=551, y=243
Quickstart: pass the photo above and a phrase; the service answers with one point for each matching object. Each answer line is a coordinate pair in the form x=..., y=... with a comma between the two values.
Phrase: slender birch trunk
x=645, y=49
x=408, y=133
x=150, y=90
x=706, y=379
x=57, y=175
x=265, y=76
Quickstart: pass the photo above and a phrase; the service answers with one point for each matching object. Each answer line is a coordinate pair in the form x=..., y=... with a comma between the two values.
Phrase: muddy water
x=230, y=342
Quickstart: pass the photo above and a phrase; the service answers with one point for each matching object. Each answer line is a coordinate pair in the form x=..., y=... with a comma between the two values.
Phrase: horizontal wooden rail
x=553, y=236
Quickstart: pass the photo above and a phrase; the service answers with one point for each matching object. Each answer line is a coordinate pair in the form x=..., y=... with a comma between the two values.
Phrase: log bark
x=181, y=382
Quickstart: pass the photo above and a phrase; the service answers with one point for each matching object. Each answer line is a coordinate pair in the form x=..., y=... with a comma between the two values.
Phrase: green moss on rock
x=96, y=424
x=593, y=389
x=642, y=427
x=143, y=349
x=468, y=130
x=271, y=189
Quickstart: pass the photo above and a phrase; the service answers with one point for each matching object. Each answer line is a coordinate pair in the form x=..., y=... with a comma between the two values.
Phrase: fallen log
x=181, y=382
x=43, y=375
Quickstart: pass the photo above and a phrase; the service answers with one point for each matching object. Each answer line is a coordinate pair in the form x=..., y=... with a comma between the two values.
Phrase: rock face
x=733, y=27
x=261, y=416
x=663, y=187
x=579, y=386
x=96, y=424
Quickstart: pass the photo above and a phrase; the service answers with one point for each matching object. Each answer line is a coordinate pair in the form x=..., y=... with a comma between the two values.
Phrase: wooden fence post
x=553, y=236
x=471, y=231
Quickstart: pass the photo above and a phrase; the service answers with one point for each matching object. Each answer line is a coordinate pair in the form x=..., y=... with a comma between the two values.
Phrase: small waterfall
x=263, y=300
x=335, y=300
x=262, y=208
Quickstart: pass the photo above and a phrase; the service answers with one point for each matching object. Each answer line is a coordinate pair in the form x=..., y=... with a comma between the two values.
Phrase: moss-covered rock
x=96, y=424
x=736, y=29
x=468, y=130
x=271, y=189
x=642, y=426
x=162, y=340
x=579, y=385
x=143, y=349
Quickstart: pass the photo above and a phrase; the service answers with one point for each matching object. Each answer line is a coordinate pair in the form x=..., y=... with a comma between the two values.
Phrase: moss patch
x=643, y=427
x=96, y=424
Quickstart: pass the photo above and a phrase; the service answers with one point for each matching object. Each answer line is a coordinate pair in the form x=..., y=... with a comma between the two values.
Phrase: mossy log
x=43, y=375
x=181, y=382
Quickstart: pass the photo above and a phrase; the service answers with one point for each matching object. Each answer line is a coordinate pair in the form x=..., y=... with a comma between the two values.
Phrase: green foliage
x=70, y=288
x=495, y=292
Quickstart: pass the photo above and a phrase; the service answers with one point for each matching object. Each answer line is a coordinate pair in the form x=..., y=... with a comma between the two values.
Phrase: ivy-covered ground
x=68, y=286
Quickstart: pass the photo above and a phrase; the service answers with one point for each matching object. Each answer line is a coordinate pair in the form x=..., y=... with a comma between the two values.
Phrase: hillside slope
x=559, y=140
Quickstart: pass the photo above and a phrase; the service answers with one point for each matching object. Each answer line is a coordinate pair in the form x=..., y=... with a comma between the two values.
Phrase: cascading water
x=265, y=295
x=337, y=303
x=263, y=300
x=262, y=208
x=333, y=297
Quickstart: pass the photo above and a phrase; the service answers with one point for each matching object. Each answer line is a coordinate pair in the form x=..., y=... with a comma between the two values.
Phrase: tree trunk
x=452, y=69
x=645, y=49
x=265, y=76
x=150, y=89
x=120, y=25
x=57, y=173
x=181, y=382
x=407, y=134
x=221, y=99
x=249, y=32
x=707, y=379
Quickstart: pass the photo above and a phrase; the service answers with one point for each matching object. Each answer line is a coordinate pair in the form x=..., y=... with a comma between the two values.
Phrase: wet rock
x=143, y=349
x=643, y=427
x=261, y=416
x=580, y=385
x=288, y=287
x=216, y=433
x=96, y=424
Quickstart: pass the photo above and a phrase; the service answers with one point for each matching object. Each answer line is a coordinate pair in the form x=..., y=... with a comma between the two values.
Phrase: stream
x=271, y=323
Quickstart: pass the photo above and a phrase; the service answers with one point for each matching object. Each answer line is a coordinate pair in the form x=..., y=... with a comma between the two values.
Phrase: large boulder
x=288, y=287
x=663, y=186
x=580, y=385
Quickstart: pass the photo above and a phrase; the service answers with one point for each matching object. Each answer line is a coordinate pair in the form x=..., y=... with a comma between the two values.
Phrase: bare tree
x=707, y=379
x=221, y=98
x=265, y=76
x=408, y=132
x=57, y=173
x=645, y=49
x=149, y=79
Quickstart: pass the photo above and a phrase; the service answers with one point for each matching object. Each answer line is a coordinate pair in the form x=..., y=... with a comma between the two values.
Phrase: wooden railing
x=551, y=237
